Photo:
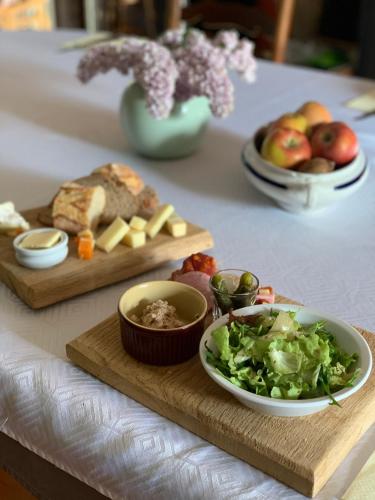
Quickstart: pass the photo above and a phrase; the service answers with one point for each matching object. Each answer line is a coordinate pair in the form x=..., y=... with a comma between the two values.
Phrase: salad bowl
x=347, y=338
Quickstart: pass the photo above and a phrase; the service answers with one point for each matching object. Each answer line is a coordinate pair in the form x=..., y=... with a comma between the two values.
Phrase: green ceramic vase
x=176, y=136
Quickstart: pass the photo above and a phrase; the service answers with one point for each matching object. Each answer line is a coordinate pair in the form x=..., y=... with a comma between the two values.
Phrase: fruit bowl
x=301, y=192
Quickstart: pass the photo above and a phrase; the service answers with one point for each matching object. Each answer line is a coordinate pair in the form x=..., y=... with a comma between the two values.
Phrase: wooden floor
x=10, y=489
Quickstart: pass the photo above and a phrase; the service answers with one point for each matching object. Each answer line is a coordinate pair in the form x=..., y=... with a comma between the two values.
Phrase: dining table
x=53, y=128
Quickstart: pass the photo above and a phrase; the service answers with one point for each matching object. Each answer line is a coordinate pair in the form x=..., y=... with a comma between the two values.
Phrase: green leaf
x=285, y=362
x=221, y=339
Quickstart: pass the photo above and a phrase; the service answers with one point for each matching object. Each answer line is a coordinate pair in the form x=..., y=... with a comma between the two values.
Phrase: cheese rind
x=158, y=220
x=134, y=239
x=85, y=244
x=112, y=235
x=137, y=223
x=40, y=240
x=176, y=226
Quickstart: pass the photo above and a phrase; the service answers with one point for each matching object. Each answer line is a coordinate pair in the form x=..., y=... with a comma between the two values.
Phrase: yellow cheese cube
x=176, y=226
x=112, y=235
x=39, y=240
x=137, y=223
x=158, y=220
x=134, y=239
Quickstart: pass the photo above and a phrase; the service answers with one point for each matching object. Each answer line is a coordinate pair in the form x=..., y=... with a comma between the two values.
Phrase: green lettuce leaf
x=221, y=338
x=285, y=362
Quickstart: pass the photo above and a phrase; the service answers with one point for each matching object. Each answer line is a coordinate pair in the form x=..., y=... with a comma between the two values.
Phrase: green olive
x=245, y=284
x=246, y=280
x=218, y=282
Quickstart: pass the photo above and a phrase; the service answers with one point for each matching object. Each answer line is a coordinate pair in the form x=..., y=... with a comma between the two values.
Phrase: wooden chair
x=142, y=17
x=275, y=16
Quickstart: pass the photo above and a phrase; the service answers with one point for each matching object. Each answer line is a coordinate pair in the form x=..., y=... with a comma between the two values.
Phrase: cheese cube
x=137, y=223
x=39, y=240
x=176, y=226
x=112, y=235
x=158, y=220
x=134, y=239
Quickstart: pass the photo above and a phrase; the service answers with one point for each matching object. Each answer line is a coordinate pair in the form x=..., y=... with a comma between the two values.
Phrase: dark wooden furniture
x=40, y=478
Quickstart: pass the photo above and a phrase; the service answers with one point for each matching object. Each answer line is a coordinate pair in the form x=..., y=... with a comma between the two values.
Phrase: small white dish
x=300, y=192
x=347, y=337
x=41, y=258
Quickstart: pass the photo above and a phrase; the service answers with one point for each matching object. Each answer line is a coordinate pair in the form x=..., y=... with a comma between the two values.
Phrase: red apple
x=286, y=148
x=335, y=141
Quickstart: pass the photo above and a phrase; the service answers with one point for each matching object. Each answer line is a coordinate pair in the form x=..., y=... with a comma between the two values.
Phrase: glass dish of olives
x=233, y=289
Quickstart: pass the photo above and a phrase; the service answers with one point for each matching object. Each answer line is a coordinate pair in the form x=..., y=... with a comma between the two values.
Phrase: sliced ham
x=197, y=280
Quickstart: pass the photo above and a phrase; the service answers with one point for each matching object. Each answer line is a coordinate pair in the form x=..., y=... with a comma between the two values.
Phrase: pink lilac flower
x=152, y=64
x=156, y=72
x=238, y=53
x=173, y=38
x=242, y=61
x=99, y=59
x=180, y=65
x=202, y=72
x=227, y=40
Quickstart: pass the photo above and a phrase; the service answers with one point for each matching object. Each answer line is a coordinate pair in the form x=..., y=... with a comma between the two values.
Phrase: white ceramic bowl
x=298, y=191
x=347, y=337
x=41, y=258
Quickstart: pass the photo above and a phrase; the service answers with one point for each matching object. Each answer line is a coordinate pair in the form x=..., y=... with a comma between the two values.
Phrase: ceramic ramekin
x=162, y=347
x=301, y=192
x=41, y=258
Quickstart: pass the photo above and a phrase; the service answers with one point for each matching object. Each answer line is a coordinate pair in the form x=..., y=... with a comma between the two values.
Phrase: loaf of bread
x=76, y=207
x=123, y=175
x=121, y=183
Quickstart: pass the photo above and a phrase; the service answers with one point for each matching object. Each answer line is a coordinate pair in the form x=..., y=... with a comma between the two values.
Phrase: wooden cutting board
x=42, y=287
x=302, y=452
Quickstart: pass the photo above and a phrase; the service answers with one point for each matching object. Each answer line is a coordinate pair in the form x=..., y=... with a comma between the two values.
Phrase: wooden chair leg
x=150, y=17
x=172, y=14
x=283, y=26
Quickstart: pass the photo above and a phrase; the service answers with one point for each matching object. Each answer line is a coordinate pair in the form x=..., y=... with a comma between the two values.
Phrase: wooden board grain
x=43, y=287
x=301, y=452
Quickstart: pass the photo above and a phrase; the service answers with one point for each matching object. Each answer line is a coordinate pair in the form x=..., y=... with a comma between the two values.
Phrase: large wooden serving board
x=302, y=452
x=42, y=287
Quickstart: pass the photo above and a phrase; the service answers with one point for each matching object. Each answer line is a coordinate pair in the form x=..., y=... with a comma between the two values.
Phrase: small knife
x=365, y=115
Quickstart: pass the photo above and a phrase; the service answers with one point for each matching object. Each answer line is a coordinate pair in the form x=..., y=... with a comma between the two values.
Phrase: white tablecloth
x=52, y=128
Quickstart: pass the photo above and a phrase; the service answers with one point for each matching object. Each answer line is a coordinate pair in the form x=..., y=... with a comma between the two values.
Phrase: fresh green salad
x=274, y=355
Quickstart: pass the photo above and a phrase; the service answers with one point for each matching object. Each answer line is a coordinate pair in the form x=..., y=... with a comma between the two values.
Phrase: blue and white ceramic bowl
x=301, y=192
